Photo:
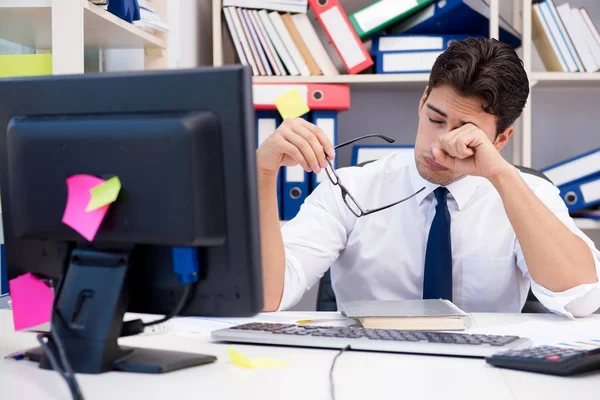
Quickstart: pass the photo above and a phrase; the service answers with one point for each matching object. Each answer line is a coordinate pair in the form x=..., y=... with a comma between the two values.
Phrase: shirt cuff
x=293, y=284
x=579, y=301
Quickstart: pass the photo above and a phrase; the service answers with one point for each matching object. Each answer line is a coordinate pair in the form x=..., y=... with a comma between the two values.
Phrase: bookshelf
x=520, y=17
x=66, y=28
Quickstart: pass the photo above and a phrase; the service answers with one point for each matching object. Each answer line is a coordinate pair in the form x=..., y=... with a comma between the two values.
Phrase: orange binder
x=317, y=96
x=342, y=35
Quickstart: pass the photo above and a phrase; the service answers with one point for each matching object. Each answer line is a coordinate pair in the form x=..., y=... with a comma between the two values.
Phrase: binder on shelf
x=327, y=121
x=545, y=42
x=370, y=152
x=281, y=49
x=342, y=35
x=574, y=168
x=237, y=43
x=457, y=16
x=295, y=189
x=565, y=43
x=578, y=38
x=380, y=14
x=317, y=96
x=300, y=44
x=266, y=123
x=581, y=194
x=309, y=36
x=406, y=62
x=288, y=42
x=406, y=42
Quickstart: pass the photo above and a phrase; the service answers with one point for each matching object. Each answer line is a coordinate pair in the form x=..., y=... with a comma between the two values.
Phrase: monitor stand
x=88, y=316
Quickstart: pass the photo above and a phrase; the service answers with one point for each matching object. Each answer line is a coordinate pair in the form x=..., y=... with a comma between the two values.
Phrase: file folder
x=410, y=61
x=574, y=168
x=581, y=194
x=371, y=152
x=413, y=42
x=339, y=30
x=266, y=123
x=327, y=121
x=317, y=96
x=381, y=14
x=295, y=189
x=457, y=16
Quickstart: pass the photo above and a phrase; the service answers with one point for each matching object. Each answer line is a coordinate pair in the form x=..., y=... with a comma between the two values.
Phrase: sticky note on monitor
x=291, y=104
x=31, y=301
x=78, y=197
x=104, y=194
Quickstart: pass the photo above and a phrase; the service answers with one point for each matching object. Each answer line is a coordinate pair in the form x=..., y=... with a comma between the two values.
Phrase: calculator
x=549, y=360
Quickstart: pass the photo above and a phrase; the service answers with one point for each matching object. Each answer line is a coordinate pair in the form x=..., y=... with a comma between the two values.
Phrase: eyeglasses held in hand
x=349, y=200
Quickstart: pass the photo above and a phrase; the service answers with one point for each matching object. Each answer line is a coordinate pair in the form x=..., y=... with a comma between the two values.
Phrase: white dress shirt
x=382, y=256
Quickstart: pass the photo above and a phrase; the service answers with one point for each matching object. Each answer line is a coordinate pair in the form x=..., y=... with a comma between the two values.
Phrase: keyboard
x=382, y=340
x=549, y=360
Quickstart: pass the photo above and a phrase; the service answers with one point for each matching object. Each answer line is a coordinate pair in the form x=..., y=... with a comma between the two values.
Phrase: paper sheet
x=78, y=197
x=291, y=104
x=31, y=301
x=104, y=194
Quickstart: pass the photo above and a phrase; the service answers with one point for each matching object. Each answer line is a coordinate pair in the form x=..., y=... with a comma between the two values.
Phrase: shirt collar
x=461, y=190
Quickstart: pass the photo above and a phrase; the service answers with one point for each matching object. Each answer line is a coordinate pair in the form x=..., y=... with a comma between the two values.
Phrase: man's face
x=443, y=112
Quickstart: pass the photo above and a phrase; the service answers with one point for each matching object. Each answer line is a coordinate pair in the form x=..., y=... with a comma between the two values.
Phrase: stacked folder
x=325, y=101
x=578, y=179
x=315, y=37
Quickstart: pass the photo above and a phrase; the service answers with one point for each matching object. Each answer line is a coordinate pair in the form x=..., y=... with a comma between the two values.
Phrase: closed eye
x=435, y=121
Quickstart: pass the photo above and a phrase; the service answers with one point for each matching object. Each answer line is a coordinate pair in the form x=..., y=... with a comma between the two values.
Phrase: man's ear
x=502, y=138
x=423, y=99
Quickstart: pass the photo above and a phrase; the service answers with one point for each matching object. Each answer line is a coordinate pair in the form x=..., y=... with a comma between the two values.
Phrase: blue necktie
x=437, y=282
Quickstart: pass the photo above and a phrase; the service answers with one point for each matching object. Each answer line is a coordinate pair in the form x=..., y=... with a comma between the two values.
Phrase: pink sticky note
x=31, y=301
x=78, y=197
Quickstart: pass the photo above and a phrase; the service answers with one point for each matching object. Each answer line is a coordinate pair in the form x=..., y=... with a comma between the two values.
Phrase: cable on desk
x=65, y=371
x=136, y=326
x=331, y=383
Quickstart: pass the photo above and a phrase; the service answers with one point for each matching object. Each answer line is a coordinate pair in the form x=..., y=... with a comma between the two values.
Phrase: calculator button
x=553, y=358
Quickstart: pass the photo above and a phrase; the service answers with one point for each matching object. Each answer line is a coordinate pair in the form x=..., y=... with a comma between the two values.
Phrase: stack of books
x=311, y=37
x=578, y=179
x=565, y=37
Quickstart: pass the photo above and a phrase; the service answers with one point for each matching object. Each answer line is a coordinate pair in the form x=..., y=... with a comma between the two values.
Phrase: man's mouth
x=433, y=165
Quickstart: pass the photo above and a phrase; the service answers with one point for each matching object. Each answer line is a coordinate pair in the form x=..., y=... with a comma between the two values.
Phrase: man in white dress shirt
x=477, y=232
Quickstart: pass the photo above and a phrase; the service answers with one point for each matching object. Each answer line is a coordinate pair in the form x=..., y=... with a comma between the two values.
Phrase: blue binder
x=128, y=10
x=574, y=169
x=266, y=123
x=327, y=121
x=370, y=152
x=457, y=16
x=295, y=189
x=415, y=42
x=581, y=194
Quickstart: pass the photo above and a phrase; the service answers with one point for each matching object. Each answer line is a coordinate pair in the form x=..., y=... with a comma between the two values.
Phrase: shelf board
x=563, y=79
x=29, y=23
x=357, y=81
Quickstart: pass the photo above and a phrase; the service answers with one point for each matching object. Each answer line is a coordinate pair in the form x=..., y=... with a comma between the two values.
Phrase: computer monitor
x=185, y=223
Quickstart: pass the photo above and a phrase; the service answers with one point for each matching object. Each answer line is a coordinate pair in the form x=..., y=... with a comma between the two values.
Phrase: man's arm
x=272, y=250
x=556, y=258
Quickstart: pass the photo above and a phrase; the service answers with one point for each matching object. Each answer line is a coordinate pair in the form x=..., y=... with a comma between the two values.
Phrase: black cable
x=331, y=384
x=67, y=375
x=136, y=326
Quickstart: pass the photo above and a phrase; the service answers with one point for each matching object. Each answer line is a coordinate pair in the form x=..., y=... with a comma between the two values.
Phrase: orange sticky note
x=31, y=301
x=78, y=198
x=291, y=104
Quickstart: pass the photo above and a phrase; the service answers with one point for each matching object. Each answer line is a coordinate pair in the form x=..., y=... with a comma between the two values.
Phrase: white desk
x=358, y=375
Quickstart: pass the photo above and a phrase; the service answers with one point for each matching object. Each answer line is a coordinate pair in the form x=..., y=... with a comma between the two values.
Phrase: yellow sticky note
x=103, y=194
x=291, y=104
x=254, y=363
x=12, y=65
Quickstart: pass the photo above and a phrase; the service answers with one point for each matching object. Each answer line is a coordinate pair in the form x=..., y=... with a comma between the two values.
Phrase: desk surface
x=358, y=375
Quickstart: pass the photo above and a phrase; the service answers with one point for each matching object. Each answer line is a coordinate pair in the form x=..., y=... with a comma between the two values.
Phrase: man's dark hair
x=488, y=70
